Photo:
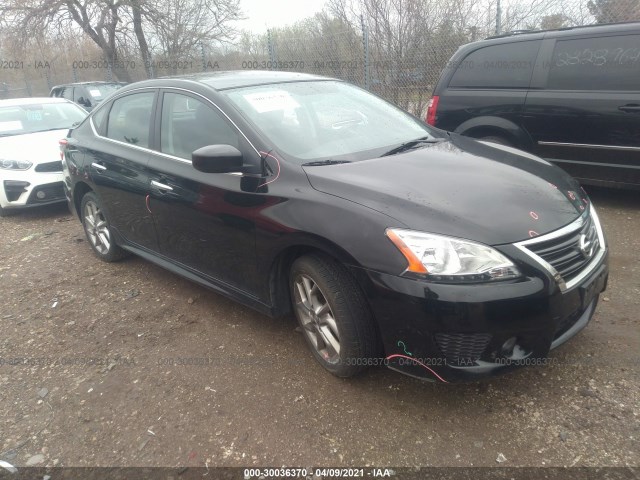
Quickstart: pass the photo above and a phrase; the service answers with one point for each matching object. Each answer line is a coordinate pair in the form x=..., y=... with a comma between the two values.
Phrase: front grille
x=462, y=348
x=565, y=253
x=49, y=167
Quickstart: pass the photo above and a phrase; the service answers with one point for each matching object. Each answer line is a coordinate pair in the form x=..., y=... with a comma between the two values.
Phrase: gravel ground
x=104, y=380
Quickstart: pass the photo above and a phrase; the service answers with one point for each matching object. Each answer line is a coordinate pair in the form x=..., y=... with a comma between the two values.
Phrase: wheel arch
x=495, y=126
x=80, y=189
x=285, y=257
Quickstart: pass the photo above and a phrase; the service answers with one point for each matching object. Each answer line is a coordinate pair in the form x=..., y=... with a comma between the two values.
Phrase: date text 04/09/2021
x=323, y=472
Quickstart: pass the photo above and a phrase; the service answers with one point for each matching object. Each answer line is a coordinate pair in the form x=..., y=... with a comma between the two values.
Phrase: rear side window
x=80, y=96
x=508, y=65
x=598, y=63
x=130, y=118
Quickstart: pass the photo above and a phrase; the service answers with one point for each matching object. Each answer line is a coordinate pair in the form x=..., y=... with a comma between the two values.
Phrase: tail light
x=432, y=106
x=63, y=144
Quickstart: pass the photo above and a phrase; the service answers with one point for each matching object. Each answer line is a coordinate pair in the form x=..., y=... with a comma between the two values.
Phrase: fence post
x=365, y=44
x=272, y=50
x=204, y=60
x=74, y=72
x=48, y=77
x=498, y=18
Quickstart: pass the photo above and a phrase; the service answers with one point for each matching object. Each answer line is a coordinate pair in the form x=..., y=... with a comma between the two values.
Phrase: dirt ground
x=104, y=365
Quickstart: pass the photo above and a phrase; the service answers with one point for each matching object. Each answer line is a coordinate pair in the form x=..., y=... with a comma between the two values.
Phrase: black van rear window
x=597, y=63
x=507, y=65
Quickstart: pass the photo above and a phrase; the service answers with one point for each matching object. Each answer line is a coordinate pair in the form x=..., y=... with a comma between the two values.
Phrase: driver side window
x=188, y=124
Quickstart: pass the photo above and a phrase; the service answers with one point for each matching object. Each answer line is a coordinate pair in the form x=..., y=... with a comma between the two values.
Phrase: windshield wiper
x=324, y=162
x=413, y=144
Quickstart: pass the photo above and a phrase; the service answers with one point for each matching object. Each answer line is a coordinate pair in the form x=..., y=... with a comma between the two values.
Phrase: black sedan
x=394, y=243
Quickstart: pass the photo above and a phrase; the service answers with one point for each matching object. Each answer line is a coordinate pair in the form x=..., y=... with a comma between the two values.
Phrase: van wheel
x=333, y=314
x=98, y=231
x=498, y=140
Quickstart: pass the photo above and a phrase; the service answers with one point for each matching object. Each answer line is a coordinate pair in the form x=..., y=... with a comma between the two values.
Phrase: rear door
x=583, y=112
x=117, y=164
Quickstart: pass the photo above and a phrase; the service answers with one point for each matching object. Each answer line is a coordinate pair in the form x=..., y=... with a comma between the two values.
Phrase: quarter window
x=599, y=63
x=130, y=118
x=507, y=65
x=189, y=124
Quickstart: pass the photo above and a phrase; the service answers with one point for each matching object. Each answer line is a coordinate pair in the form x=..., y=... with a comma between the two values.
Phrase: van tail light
x=432, y=106
x=63, y=144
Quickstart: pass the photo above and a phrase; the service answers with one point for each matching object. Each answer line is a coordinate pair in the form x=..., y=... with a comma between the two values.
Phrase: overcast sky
x=263, y=14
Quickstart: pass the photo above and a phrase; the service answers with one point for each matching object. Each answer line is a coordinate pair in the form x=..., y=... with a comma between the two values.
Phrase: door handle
x=632, y=107
x=99, y=167
x=161, y=186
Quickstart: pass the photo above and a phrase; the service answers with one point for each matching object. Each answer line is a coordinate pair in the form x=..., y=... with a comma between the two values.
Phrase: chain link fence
x=401, y=65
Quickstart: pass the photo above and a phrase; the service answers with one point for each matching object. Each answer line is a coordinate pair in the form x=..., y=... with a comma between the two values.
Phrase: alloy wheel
x=316, y=318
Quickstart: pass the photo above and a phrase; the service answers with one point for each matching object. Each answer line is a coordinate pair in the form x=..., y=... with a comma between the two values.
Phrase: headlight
x=15, y=164
x=448, y=259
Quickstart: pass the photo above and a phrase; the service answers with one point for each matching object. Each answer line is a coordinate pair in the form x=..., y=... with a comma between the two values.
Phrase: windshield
x=39, y=117
x=326, y=120
x=101, y=91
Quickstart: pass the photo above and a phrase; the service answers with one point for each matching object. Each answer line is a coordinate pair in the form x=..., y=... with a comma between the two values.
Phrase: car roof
x=521, y=35
x=225, y=79
x=14, y=102
x=97, y=82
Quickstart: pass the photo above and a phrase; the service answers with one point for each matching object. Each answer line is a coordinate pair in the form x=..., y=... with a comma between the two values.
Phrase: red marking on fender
x=572, y=195
x=277, y=174
x=553, y=185
x=534, y=215
x=533, y=233
x=586, y=202
x=146, y=201
x=397, y=355
x=581, y=207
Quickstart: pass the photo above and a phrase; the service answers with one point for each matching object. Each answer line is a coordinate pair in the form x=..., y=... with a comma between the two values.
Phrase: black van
x=86, y=94
x=571, y=96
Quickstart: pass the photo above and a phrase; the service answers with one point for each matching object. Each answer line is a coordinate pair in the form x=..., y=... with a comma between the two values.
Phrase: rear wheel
x=333, y=314
x=96, y=227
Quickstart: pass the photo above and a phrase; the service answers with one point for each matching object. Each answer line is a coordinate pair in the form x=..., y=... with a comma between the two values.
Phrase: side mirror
x=217, y=159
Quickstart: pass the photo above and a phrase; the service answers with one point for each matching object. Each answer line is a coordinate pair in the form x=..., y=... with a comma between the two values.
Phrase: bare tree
x=100, y=20
x=179, y=28
x=609, y=11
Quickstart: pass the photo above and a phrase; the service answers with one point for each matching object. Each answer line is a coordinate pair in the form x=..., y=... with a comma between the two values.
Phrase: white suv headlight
x=449, y=259
x=15, y=164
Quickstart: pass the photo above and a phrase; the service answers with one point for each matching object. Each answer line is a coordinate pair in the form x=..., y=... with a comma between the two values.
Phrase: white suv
x=30, y=165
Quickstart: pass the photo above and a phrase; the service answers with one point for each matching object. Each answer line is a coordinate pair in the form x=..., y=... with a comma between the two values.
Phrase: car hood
x=36, y=147
x=463, y=188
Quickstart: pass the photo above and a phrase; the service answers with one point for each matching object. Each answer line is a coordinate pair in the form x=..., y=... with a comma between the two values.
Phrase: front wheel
x=333, y=314
x=97, y=229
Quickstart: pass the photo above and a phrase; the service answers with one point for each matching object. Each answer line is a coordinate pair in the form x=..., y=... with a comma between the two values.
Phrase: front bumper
x=24, y=189
x=467, y=332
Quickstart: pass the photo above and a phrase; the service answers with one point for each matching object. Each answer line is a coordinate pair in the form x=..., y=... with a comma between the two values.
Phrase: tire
x=3, y=212
x=331, y=309
x=97, y=229
x=498, y=140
